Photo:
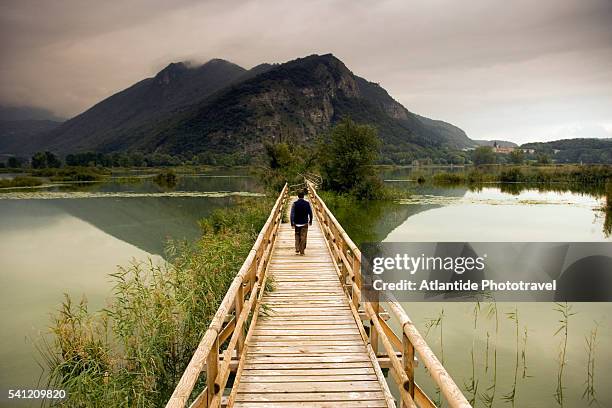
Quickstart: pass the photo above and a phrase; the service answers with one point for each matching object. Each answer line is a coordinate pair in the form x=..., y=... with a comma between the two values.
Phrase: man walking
x=301, y=216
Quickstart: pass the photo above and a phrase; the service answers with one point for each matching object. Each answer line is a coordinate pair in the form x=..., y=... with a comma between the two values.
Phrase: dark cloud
x=519, y=70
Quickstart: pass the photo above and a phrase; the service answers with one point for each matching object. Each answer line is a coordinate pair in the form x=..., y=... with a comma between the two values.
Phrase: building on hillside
x=502, y=150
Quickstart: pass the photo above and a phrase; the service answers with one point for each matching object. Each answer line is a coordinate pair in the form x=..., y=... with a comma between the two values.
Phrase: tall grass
x=132, y=353
x=431, y=324
x=511, y=395
x=570, y=175
x=166, y=179
x=72, y=173
x=20, y=181
x=566, y=312
x=472, y=385
x=488, y=396
x=524, y=353
x=591, y=343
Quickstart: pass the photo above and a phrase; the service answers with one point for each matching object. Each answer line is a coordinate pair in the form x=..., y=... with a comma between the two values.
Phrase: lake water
x=487, y=213
x=69, y=237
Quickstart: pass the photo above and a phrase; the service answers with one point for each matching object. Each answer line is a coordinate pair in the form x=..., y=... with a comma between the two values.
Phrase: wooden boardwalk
x=306, y=347
x=303, y=343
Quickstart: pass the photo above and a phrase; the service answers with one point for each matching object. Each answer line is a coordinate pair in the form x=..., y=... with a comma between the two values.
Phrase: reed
x=20, y=181
x=566, y=312
x=432, y=324
x=511, y=395
x=132, y=353
x=166, y=179
x=590, y=344
x=524, y=353
x=472, y=385
x=488, y=397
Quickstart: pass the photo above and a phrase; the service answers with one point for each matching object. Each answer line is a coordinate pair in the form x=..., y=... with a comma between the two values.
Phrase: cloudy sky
x=520, y=70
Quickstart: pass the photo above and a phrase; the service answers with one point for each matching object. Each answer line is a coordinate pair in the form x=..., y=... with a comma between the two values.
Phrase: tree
x=39, y=160
x=279, y=155
x=483, y=155
x=14, y=162
x=52, y=160
x=543, y=158
x=42, y=160
x=457, y=159
x=346, y=156
x=517, y=156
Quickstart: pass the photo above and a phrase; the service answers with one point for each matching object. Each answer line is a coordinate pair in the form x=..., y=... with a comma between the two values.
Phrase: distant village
x=507, y=150
x=504, y=149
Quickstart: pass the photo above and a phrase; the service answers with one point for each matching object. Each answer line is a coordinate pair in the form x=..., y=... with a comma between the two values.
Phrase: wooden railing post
x=238, y=306
x=373, y=300
x=212, y=369
x=355, y=280
x=408, y=361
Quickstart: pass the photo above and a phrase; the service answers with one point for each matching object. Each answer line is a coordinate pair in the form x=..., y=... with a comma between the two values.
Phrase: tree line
x=41, y=160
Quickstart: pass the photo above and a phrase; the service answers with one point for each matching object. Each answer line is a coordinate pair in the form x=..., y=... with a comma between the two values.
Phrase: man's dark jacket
x=301, y=213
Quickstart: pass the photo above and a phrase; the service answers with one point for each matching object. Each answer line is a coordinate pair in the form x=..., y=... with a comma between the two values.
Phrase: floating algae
x=55, y=195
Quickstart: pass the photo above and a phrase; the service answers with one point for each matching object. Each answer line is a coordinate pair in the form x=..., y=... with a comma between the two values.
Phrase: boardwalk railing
x=230, y=323
x=223, y=344
x=400, y=349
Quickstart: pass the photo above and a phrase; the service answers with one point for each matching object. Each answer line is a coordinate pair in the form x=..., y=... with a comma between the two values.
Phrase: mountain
x=220, y=107
x=16, y=113
x=121, y=120
x=20, y=126
x=588, y=150
x=14, y=134
x=296, y=101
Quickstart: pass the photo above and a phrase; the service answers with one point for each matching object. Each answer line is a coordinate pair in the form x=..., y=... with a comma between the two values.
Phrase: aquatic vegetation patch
x=55, y=195
x=20, y=181
x=133, y=352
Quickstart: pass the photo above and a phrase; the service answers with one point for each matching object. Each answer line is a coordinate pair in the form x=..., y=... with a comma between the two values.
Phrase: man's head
x=300, y=194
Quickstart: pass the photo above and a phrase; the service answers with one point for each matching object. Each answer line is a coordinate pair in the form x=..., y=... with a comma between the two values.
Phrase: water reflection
x=501, y=354
x=71, y=244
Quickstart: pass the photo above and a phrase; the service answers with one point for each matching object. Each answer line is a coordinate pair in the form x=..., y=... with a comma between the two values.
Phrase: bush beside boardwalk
x=133, y=353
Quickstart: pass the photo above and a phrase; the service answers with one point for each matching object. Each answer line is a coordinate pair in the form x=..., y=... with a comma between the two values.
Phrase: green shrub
x=20, y=181
x=132, y=353
x=166, y=178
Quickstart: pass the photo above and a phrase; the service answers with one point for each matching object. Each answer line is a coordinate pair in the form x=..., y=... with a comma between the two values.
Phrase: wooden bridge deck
x=305, y=348
x=306, y=345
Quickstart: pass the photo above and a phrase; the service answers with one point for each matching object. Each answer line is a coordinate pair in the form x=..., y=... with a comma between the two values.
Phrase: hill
x=576, y=150
x=296, y=101
x=119, y=121
x=14, y=134
x=18, y=113
x=222, y=108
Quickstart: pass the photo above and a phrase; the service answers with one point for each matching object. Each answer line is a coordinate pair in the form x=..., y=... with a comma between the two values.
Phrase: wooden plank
x=310, y=372
x=314, y=386
x=306, y=378
x=306, y=348
x=311, y=397
x=258, y=365
x=313, y=404
x=305, y=337
x=296, y=349
x=352, y=358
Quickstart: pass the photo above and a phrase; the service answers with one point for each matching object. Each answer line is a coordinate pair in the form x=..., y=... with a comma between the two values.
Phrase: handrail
x=347, y=257
x=223, y=325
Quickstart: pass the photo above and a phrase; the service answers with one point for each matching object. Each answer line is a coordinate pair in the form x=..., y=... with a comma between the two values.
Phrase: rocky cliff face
x=222, y=108
x=294, y=102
